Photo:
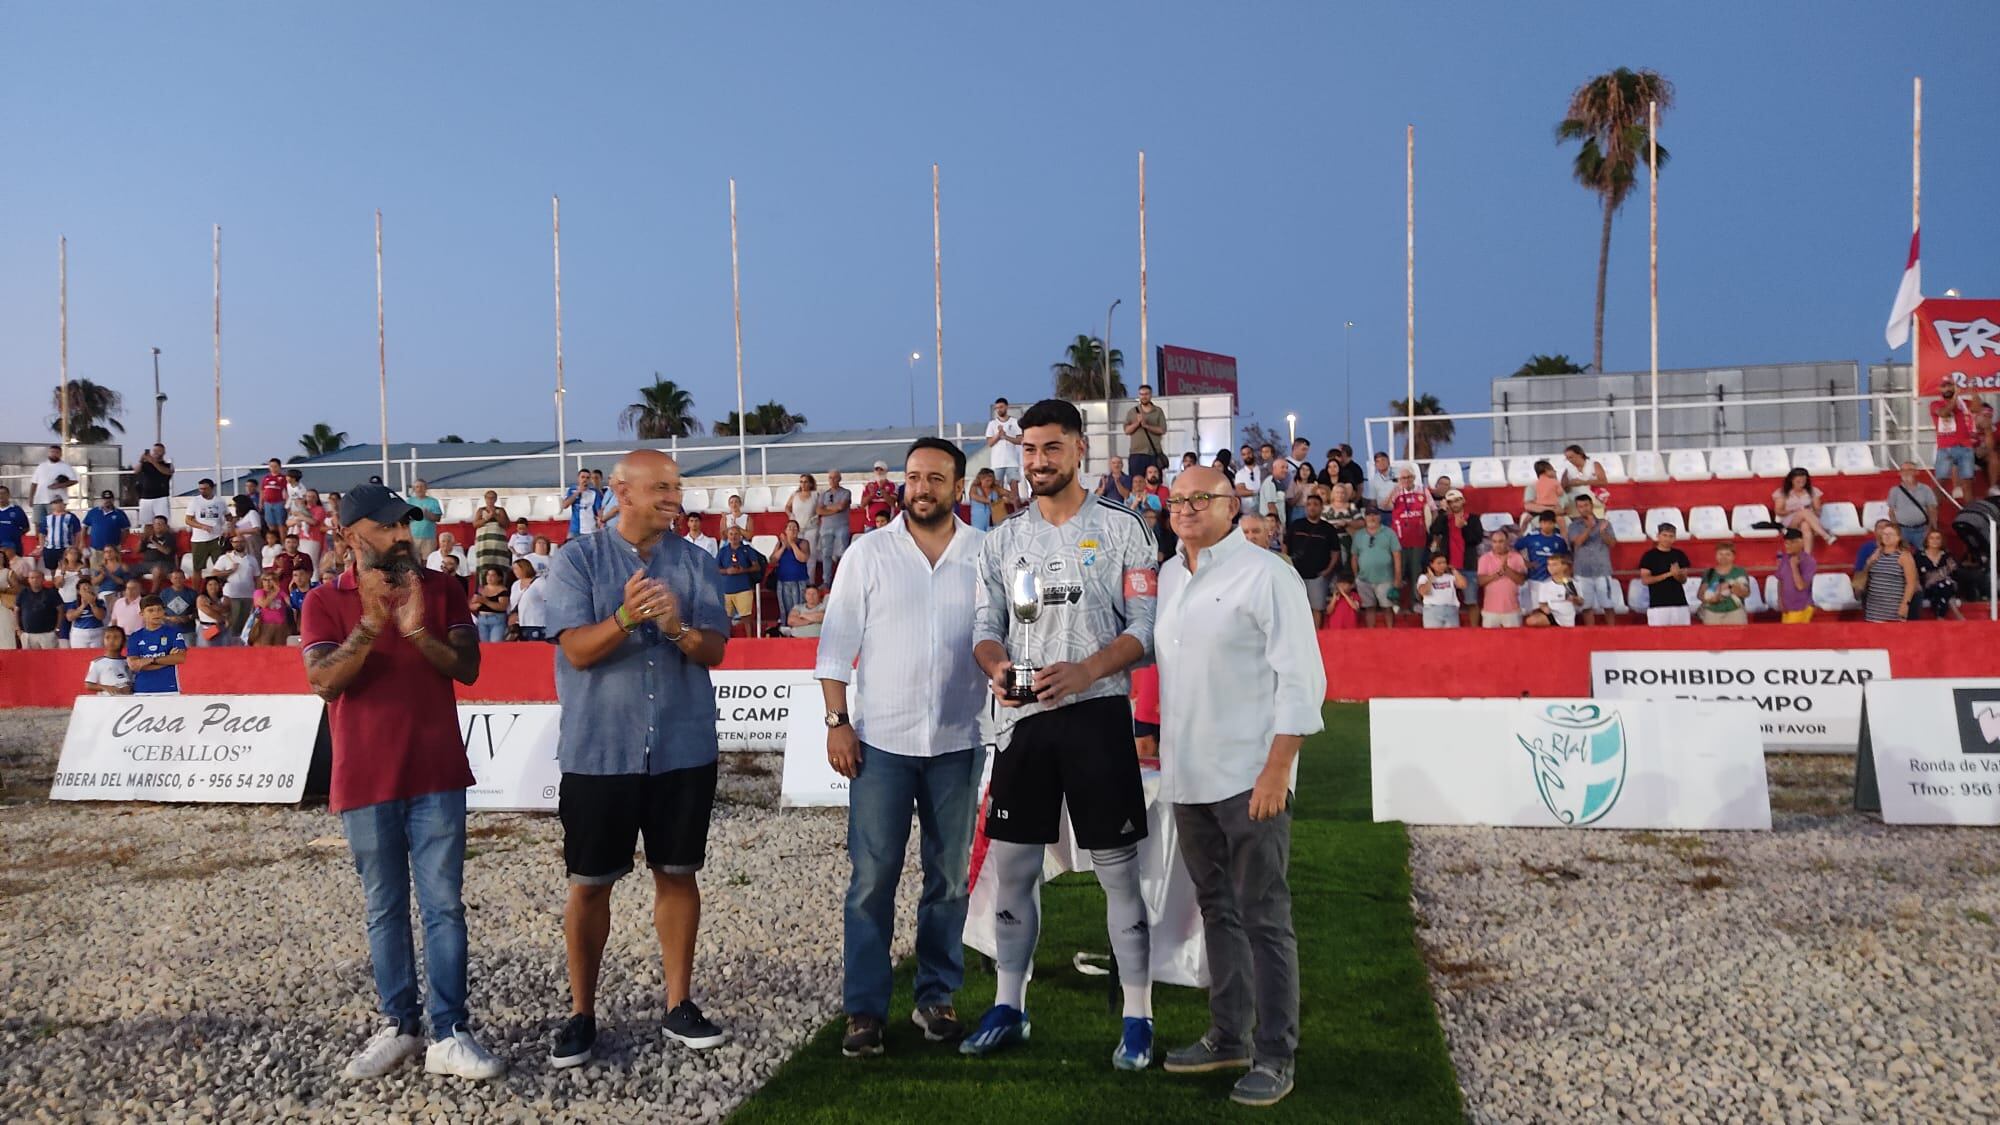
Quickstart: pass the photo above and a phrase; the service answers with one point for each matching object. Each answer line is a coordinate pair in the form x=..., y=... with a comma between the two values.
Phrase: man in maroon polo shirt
x=383, y=643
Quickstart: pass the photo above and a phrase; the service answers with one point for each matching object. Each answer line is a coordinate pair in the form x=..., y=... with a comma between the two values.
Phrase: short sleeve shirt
x=1664, y=595
x=1004, y=454
x=427, y=527
x=1142, y=440
x=13, y=526
x=1374, y=556
x=156, y=642
x=646, y=708
x=271, y=489
x=109, y=671
x=395, y=728
x=1539, y=549
x=1953, y=423
x=1503, y=594
x=107, y=529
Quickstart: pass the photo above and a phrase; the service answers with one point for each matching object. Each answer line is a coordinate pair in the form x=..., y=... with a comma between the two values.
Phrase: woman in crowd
x=110, y=573
x=979, y=499
x=332, y=521
x=539, y=556
x=158, y=546
x=270, y=612
x=792, y=569
x=246, y=519
x=1345, y=515
x=489, y=536
x=70, y=574
x=211, y=611
x=1937, y=574
x=489, y=604
x=1889, y=581
x=527, y=612
x=309, y=524
x=10, y=586
x=1796, y=504
x=803, y=507
x=736, y=517
x=86, y=618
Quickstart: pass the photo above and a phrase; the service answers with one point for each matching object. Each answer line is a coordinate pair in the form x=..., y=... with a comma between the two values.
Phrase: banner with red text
x=1185, y=371
x=1958, y=341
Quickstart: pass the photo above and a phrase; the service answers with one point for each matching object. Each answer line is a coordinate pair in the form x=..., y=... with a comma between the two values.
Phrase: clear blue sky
x=1273, y=133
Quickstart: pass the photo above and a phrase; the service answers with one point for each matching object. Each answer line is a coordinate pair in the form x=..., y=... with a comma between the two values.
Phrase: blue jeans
x=789, y=595
x=1954, y=459
x=944, y=791
x=492, y=627
x=395, y=842
x=274, y=516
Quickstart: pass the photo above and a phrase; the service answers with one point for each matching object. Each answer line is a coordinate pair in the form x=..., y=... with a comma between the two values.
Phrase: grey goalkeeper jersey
x=1099, y=577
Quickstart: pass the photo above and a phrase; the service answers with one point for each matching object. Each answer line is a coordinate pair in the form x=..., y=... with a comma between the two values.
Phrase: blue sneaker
x=1001, y=1026
x=1135, y=1048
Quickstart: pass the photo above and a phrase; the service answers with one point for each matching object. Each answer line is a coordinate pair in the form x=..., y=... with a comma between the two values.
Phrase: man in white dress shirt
x=1241, y=685
x=903, y=603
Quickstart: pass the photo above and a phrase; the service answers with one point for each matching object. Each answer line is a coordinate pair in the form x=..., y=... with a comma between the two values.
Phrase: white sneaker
x=386, y=1050
x=461, y=1056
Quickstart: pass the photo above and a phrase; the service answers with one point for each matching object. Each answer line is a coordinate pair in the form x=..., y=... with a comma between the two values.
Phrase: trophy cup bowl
x=1024, y=599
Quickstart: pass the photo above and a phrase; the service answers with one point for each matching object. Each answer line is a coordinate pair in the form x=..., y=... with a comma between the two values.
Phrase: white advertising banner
x=1936, y=747
x=809, y=782
x=1576, y=763
x=1807, y=699
x=753, y=709
x=249, y=749
x=511, y=748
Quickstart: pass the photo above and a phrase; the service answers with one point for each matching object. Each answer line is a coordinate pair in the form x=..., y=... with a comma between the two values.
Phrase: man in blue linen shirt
x=638, y=620
x=107, y=524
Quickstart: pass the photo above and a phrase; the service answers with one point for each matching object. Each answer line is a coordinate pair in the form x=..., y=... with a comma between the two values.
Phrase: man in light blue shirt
x=424, y=532
x=638, y=621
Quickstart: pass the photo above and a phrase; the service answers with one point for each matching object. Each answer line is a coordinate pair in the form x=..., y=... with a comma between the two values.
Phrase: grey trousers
x=1238, y=866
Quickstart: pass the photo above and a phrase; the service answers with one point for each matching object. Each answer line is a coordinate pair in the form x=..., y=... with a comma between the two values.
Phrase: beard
x=1053, y=483
x=939, y=513
x=398, y=561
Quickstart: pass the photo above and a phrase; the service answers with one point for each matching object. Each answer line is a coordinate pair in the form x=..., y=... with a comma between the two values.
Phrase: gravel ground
x=209, y=962
x=1830, y=970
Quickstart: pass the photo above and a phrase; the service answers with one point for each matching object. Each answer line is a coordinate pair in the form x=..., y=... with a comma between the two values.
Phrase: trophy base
x=1021, y=683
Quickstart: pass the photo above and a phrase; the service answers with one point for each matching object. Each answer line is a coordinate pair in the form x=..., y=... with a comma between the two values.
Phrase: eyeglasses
x=1193, y=501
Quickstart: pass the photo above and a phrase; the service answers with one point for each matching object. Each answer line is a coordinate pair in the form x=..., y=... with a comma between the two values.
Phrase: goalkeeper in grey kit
x=1065, y=603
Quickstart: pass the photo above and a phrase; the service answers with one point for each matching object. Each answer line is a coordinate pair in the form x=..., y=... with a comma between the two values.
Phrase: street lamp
x=1292, y=428
x=914, y=357
x=159, y=400
x=1349, y=436
x=1105, y=359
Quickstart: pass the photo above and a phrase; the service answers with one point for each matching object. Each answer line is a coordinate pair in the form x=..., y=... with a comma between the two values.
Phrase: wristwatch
x=836, y=719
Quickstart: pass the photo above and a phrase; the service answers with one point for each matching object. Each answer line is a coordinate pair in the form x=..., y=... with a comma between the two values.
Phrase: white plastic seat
x=1648, y=467
x=1854, y=459
x=1834, y=592
x=719, y=499
x=1813, y=459
x=1770, y=589
x=1490, y=522
x=1486, y=472
x=1770, y=462
x=1840, y=518
x=1708, y=521
x=1625, y=525
x=1638, y=596
x=1872, y=513
x=1688, y=464
x=1729, y=464
x=758, y=499
x=1692, y=589
x=516, y=504
x=1743, y=519
x=1618, y=603
x=1450, y=470
x=1521, y=470
x=1090, y=481
x=694, y=501
x=458, y=509
x=1753, y=602
x=545, y=507
x=1614, y=468
x=1656, y=517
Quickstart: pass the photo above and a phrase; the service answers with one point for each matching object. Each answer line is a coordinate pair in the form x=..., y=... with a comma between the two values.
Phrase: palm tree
x=1557, y=364
x=323, y=439
x=1080, y=375
x=1608, y=114
x=770, y=418
x=1430, y=435
x=664, y=410
x=93, y=412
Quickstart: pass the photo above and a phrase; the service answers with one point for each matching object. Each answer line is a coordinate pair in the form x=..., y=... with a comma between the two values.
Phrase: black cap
x=1794, y=533
x=106, y=495
x=377, y=503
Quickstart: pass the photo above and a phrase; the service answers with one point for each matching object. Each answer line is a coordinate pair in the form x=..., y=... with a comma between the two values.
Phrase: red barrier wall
x=1360, y=663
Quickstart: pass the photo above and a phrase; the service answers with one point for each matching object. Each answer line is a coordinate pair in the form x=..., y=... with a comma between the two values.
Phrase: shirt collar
x=958, y=529
x=1035, y=509
x=1220, y=551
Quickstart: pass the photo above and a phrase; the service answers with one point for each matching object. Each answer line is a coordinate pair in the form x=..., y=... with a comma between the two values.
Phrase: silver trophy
x=1024, y=597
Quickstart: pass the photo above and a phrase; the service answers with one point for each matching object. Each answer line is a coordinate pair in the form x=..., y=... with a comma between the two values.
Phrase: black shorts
x=1082, y=752
x=603, y=817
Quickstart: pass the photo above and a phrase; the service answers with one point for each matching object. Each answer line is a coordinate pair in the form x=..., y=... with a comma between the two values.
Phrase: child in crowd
x=109, y=674
x=1440, y=589
x=155, y=652
x=1555, y=598
x=1344, y=611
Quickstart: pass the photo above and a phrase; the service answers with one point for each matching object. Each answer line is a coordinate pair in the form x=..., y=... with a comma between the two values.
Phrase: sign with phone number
x=246, y=749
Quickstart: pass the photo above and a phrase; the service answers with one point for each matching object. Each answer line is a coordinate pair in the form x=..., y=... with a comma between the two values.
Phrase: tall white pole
x=1916, y=228
x=1145, y=354
x=736, y=299
x=217, y=262
x=1653, y=190
x=1410, y=284
x=1110, y=443
x=937, y=294
x=381, y=348
x=62, y=342
x=562, y=436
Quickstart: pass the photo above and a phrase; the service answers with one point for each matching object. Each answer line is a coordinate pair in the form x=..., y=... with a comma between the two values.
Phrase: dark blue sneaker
x=1001, y=1026
x=1135, y=1047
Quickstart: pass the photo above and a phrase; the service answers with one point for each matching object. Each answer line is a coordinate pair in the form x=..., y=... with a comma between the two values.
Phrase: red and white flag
x=1908, y=296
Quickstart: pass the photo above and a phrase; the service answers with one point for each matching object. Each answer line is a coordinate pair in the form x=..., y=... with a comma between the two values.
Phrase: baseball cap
x=106, y=495
x=881, y=464
x=1453, y=494
x=378, y=503
x=1794, y=533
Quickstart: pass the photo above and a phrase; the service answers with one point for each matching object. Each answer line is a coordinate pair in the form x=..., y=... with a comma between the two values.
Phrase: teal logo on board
x=1577, y=752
